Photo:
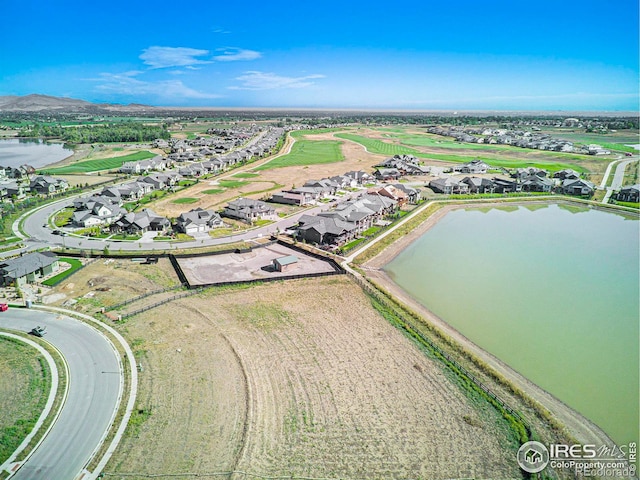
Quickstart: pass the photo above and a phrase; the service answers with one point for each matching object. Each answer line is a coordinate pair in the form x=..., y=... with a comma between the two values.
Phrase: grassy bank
x=23, y=398
x=98, y=164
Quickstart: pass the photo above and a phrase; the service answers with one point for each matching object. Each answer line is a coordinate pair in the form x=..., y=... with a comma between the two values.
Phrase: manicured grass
x=262, y=223
x=352, y=243
x=8, y=241
x=377, y=146
x=75, y=265
x=125, y=236
x=246, y=175
x=232, y=183
x=24, y=395
x=99, y=164
x=213, y=191
x=626, y=204
x=183, y=237
x=63, y=217
x=308, y=152
x=186, y=200
x=371, y=231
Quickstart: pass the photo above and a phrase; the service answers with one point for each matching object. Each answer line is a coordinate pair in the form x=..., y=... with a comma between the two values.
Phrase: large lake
x=552, y=290
x=15, y=152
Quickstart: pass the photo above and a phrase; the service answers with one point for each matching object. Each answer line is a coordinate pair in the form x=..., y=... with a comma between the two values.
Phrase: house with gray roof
x=629, y=193
x=46, y=185
x=448, y=185
x=198, y=221
x=479, y=184
x=535, y=183
x=141, y=222
x=325, y=230
x=577, y=187
x=249, y=210
x=27, y=268
x=474, y=166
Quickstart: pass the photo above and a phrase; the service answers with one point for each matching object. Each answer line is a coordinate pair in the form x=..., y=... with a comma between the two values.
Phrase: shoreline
x=576, y=424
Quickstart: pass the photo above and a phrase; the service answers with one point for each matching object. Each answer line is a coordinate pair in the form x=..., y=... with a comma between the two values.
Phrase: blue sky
x=404, y=54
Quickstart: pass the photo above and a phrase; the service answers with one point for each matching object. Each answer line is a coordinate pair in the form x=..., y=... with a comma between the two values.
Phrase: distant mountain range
x=38, y=103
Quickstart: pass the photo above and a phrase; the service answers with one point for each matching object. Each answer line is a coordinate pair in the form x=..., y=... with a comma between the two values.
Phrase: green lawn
x=377, y=146
x=75, y=265
x=352, y=244
x=63, y=217
x=99, y=164
x=213, y=191
x=308, y=152
x=184, y=200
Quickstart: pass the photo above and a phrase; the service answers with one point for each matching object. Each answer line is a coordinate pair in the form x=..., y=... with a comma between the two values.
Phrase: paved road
x=618, y=178
x=94, y=389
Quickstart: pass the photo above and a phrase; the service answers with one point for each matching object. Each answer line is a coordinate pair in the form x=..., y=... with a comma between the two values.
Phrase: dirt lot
x=108, y=282
x=253, y=265
x=299, y=378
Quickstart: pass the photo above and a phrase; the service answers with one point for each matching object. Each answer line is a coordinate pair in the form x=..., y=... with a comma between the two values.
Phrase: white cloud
x=126, y=84
x=254, y=80
x=164, y=57
x=232, y=54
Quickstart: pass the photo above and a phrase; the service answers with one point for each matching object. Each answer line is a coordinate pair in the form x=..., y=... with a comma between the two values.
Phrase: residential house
x=96, y=211
x=503, y=185
x=14, y=190
x=629, y=193
x=361, y=177
x=387, y=174
x=413, y=194
x=535, y=183
x=405, y=164
x=391, y=191
x=479, y=184
x=577, y=187
x=249, y=210
x=296, y=196
x=324, y=187
x=198, y=221
x=27, y=268
x=325, y=230
x=522, y=173
x=448, y=186
x=141, y=222
x=567, y=174
x=46, y=185
x=474, y=166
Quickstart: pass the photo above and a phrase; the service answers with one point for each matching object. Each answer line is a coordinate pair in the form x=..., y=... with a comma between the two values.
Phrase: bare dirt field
x=253, y=265
x=108, y=282
x=300, y=378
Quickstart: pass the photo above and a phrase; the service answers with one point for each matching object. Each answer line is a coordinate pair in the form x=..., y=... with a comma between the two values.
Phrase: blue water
x=15, y=152
x=553, y=291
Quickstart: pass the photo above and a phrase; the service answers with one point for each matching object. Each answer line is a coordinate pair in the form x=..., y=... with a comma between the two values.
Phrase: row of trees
x=116, y=132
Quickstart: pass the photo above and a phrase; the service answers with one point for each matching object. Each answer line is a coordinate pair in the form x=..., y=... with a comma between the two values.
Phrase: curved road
x=94, y=390
x=618, y=178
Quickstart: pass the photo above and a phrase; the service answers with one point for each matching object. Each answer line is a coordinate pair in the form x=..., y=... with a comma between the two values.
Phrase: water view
x=15, y=152
x=552, y=290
